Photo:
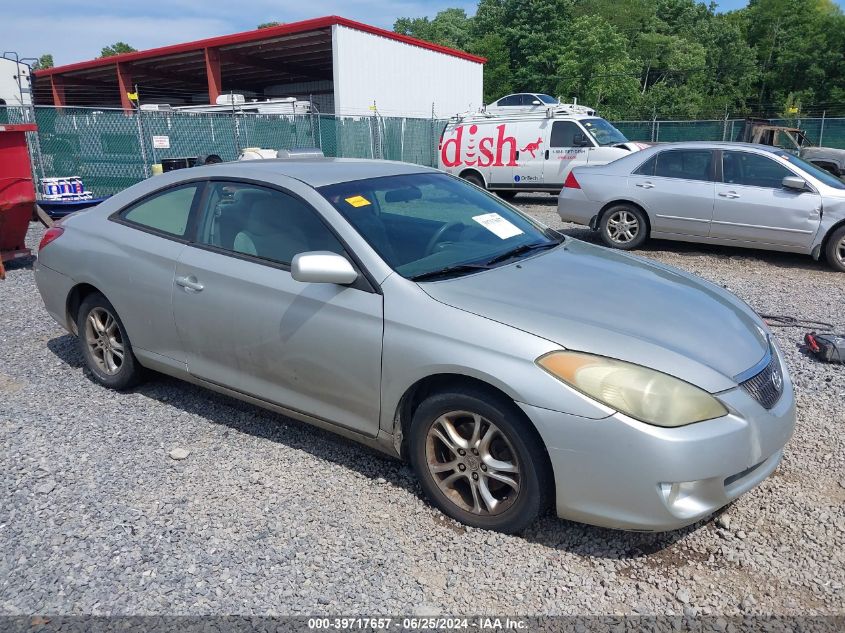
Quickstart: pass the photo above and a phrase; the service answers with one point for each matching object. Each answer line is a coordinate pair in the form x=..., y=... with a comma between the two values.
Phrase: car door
x=753, y=206
x=563, y=154
x=531, y=144
x=676, y=188
x=249, y=326
x=144, y=246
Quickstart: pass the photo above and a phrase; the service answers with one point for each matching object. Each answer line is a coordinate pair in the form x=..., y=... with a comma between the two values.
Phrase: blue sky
x=75, y=31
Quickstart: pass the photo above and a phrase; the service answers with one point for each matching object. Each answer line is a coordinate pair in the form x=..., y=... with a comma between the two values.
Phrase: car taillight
x=50, y=235
x=571, y=182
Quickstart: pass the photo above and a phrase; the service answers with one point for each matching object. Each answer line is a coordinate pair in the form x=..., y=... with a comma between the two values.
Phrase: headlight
x=647, y=395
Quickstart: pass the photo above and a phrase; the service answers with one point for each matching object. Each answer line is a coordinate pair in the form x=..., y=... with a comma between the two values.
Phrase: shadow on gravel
x=21, y=263
x=234, y=415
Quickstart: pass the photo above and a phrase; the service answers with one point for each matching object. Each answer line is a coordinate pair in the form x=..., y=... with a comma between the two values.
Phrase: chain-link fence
x=113, y=149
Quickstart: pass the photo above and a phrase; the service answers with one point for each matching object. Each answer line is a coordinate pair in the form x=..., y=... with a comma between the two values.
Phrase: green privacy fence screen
x=112, y=149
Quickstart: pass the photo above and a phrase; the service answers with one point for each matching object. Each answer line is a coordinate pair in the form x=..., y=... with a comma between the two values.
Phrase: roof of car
x=319, y=172
x=716, y=145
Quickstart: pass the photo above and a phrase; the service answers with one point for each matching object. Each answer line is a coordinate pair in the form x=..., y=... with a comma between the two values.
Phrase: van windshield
x=603, y=132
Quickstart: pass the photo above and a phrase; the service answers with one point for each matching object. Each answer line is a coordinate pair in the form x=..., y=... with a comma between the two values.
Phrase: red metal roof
x=257, y=35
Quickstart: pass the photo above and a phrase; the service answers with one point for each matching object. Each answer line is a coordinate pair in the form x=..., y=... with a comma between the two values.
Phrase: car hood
x=592, y=299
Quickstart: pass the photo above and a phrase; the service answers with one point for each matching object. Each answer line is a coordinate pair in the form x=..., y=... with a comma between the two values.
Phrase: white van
x=509, y=153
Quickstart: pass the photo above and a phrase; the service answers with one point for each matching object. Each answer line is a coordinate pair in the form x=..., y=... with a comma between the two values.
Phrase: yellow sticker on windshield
x=358, y=201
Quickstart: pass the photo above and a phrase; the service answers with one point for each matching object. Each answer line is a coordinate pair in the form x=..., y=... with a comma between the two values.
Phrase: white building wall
x=402, y=79
x=9, y=90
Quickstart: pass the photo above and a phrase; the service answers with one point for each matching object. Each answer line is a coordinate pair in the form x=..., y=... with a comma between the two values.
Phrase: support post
x=124, y=83
x=821, y=131
x=58, y=86
x=212, y=73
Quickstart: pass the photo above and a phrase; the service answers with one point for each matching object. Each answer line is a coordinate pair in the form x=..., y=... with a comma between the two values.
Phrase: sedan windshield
x=429, y=226
x=548, y=99
x=816, y=172
x=603, y=132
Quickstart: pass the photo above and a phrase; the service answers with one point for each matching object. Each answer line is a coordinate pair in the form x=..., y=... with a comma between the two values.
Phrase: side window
x=754, y=170
x=687, y=164
x=265, y=223
x=563, y=133
x=512, y=100
x=647, y=168
x=166, y=212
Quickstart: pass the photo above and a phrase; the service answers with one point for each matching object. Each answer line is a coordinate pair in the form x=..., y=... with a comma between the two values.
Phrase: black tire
x=630, y=230
x=474, y=178
x=123, y=374
x=834, y=250
x=514, y=442
x=504, y=194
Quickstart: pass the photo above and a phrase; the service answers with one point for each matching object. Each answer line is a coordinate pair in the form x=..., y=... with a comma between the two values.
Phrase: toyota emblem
x=777, y=380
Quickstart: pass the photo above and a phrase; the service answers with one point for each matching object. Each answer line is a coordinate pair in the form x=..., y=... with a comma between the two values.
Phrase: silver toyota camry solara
x=418, y=314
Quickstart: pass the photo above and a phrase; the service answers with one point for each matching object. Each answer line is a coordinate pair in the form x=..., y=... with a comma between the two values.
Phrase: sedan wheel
x=105, y=345
x=835, y=250
x=624, y=227
x=104, y=341
x=472, y=462
x=479, y=460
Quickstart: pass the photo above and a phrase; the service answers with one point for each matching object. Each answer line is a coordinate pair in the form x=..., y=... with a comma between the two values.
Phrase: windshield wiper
x=519, y=250
x=449, y=270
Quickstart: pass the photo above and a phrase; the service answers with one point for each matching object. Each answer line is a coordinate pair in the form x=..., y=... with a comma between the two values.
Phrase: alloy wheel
x=840, y=251
x=102, y=335
x=623, y=226
x=473, y=463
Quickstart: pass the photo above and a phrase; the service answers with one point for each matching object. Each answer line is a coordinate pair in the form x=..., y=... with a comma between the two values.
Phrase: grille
x=767, y=386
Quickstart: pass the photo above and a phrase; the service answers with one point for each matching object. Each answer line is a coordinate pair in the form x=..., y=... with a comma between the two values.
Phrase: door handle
x=547, y=154
x=189, y=283
x=645, y=185
x=729, y=194
x=517, y=155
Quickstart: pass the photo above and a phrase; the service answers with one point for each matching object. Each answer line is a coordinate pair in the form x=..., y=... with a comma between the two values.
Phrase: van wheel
x=478, y=462
x=473, y=178
x=623, y=226
x=506, y=195
x=835, y=250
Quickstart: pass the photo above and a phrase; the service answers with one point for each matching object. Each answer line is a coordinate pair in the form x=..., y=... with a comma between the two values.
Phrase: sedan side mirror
x=794, y=182
x=322, y=267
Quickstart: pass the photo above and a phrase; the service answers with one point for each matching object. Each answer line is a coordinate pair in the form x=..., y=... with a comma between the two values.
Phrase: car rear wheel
x=835, y=250
x=623, y=226
x=477, y=460
x=105, y=345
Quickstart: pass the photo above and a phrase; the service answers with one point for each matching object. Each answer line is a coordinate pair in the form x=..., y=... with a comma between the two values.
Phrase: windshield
x=547, y=99
x=422, y=224
x=603, y=132
x=816, y=172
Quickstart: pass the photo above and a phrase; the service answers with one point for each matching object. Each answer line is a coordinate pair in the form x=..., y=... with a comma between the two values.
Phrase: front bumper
x=620, y=473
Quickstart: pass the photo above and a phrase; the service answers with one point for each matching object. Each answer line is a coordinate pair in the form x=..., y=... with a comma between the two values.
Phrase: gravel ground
x=269, y=516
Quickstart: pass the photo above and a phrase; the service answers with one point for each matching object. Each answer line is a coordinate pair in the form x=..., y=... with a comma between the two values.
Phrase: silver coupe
x=420, y=315
x=733, y=194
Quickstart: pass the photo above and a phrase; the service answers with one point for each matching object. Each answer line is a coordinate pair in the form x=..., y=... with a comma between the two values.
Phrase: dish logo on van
x=487, y=151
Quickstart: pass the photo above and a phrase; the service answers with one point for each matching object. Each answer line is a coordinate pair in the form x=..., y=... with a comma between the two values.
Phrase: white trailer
x=15, y=89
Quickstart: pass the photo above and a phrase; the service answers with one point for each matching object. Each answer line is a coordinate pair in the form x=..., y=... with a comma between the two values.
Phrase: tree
x=594, y=65
x=267, y=25
x=450, y=27
x=43, y=62
x=118, y=48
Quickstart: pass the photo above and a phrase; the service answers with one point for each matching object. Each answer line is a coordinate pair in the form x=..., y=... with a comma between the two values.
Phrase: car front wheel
x=478, y=460
x=623, y=226
x=105, y=345
x=835, y=250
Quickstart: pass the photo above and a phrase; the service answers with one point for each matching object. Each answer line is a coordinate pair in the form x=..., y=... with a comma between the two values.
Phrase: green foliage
x=43, y=62
x=638, y=58
x=118, y=48
x=267, y=25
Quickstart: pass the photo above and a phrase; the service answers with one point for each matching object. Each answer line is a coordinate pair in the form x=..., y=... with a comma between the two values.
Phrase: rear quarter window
x=166, y=212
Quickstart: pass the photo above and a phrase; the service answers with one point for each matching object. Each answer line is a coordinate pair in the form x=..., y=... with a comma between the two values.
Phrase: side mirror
x=580, y=140
x=535, y=102
x=322, y=267
x=794, y=182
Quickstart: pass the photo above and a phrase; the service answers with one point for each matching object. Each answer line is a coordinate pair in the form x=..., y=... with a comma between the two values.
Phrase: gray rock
x=179, y=454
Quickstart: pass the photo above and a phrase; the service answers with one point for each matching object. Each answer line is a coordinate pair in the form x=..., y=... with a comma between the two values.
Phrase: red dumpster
x=17, y=192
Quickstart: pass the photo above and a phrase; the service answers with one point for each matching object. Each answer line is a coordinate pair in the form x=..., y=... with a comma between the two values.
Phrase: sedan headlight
x=644, y=394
